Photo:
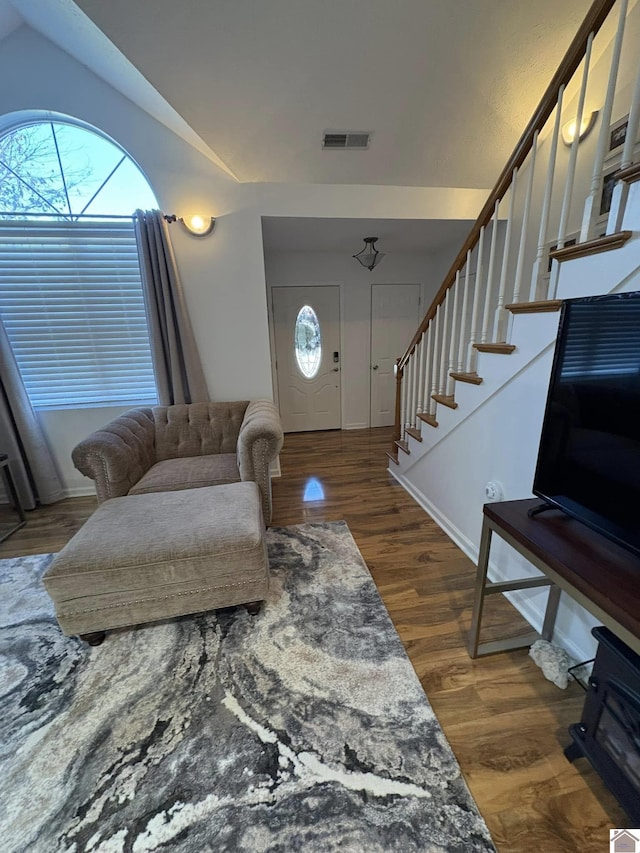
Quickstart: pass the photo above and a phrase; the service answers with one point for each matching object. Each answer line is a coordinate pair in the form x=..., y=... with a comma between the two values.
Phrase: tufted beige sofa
x=169, y=448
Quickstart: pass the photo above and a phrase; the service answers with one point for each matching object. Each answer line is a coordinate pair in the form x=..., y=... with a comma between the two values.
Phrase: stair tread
x=403, y=446
x=414, y=433
x=629, y=175
x=499, y=348
x=445, y=400
x=427, y=418
x=591, y=247
x=471, y=378
x=393, y=457
x=545, y=305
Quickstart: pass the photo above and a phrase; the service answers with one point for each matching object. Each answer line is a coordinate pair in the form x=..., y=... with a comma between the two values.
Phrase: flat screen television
x=589, y=457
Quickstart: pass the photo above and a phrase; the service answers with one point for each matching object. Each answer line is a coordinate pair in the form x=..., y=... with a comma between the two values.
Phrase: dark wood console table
x=600, y=575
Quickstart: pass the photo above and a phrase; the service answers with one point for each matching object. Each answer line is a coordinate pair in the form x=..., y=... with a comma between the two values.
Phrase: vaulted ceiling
x=446, y=86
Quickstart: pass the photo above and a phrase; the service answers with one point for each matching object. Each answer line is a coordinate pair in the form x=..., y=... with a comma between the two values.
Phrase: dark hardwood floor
x=506, y=723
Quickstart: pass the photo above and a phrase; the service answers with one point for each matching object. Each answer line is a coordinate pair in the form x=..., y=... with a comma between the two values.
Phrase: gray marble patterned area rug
x=302, y=729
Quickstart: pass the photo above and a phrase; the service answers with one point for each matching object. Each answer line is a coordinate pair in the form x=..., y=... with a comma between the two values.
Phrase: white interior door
x=394, y=319
x=306, y=323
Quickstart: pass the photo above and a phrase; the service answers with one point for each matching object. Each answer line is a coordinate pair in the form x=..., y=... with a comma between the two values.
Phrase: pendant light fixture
x=369, y=256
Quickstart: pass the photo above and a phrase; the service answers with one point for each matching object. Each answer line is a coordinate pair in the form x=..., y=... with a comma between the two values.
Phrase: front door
x=394, y=321
x=306, y=323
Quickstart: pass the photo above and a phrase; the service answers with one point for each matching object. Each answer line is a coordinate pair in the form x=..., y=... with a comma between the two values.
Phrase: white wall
x=223, y=275
x=307, y=268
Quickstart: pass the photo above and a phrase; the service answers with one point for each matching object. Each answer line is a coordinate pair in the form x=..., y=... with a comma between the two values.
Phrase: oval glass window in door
x=308, y=342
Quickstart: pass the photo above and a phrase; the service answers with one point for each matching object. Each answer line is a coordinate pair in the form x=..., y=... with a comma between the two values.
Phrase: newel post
x=397, y=429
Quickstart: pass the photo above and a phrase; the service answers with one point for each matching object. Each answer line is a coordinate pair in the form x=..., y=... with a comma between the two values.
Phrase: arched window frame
x=71, y=298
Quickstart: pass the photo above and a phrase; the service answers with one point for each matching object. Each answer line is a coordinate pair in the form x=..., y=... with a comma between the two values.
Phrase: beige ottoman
x=146, y=557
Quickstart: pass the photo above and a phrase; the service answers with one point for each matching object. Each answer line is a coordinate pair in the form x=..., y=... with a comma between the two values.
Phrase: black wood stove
x=609, y=732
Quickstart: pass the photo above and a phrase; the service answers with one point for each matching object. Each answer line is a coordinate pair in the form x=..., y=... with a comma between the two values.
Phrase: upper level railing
x=506, y=256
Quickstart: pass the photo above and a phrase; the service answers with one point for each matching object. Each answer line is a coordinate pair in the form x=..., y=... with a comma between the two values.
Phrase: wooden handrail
x=594, y=20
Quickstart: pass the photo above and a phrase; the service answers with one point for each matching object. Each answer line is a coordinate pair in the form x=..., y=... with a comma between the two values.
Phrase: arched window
x=70, y=292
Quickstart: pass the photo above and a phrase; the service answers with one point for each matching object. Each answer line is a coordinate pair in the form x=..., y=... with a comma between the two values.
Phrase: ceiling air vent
x=346, y=139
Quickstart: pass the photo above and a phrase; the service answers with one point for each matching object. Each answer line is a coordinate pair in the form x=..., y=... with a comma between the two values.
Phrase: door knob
x=336, y=369
x=375, y=367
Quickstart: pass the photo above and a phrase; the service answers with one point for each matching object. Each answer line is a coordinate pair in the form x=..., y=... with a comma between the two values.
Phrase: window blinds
x=72, y=304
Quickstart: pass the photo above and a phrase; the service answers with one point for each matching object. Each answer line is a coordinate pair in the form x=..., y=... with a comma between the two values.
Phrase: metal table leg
x=481, y=579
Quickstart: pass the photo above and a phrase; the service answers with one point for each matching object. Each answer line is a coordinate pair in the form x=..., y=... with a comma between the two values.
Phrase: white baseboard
x=462, y=541
x=356, y=426
x=275, y=469
x=533, y=614
x=79, y=491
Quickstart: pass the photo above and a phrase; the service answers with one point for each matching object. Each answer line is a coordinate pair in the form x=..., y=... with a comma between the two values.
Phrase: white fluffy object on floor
x=553, y=661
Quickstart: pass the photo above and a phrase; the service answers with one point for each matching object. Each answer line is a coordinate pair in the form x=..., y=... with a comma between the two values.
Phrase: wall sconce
x=369, y=256
x=586, y=126
x=198, y=225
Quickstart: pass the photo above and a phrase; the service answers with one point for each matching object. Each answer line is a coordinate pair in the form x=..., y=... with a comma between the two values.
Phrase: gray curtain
x=21, y=436
x=176, y=362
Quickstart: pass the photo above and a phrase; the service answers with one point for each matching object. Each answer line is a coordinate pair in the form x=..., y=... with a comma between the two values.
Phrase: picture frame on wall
x=609, y=180
x=570, y=240
x=617, y=135
x=613, y=157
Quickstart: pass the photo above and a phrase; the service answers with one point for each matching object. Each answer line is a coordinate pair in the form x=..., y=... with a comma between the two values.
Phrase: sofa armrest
x=259, y=442
x=119, y=454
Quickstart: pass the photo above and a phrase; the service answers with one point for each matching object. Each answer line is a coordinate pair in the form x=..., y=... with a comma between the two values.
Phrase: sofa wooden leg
x=94, y=639
x=253, y=607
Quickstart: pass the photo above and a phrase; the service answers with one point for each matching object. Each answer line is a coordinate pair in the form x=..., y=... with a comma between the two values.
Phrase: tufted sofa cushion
x=197, y=429
x=188, y=472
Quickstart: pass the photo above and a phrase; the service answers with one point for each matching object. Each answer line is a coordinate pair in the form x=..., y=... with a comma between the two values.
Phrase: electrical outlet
x=494, y=491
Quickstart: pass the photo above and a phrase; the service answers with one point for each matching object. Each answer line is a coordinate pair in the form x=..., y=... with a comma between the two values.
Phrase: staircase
x=562, y=221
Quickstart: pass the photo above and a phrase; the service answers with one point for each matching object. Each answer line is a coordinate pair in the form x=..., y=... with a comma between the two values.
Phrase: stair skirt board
x=485, y=395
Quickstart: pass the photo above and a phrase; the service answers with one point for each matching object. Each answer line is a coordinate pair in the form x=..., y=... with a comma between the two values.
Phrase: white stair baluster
x=444, y=345
x=435, y=365
x=428, y=367
x=522, y=248
x=490, y=274
x=472, y=353
x=571, y=168
x=541, y=262
x=409, y=395
x=452, y=343
x=499, y=327
x=414, y=387
x=403, y=383
x=592, y=203
x=420, y=385
x=463, y=314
